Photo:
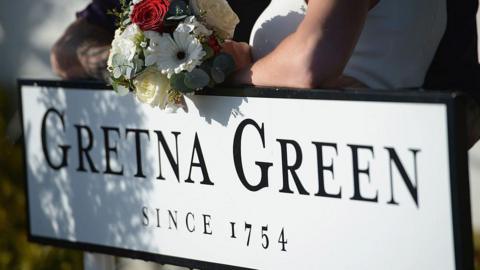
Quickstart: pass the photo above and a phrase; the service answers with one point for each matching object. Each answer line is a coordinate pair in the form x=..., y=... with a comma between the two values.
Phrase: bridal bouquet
x=165, y=49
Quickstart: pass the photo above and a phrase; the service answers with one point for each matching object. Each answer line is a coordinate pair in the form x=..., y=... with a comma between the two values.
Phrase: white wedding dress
x=395, y=49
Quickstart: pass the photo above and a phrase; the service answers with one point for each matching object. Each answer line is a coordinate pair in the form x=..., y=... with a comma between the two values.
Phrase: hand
x=240, y=51
x=317, y=52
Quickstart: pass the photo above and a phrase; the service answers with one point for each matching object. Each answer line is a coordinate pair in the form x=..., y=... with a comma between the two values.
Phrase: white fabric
x=396, y=46
x=279, y=19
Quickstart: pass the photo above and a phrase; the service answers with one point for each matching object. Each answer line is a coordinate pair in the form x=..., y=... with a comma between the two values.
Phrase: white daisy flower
x=171, y=56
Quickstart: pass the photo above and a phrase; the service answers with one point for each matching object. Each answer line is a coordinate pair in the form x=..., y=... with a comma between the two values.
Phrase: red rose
x=149, y=14
x=213, y=43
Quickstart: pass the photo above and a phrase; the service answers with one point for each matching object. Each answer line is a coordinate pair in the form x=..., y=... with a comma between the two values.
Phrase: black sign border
x=458, y=159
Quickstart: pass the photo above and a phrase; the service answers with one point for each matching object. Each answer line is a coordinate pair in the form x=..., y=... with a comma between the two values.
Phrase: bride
x=380, y=44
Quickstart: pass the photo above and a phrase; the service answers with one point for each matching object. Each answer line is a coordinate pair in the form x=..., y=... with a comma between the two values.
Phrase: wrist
x=241, y=77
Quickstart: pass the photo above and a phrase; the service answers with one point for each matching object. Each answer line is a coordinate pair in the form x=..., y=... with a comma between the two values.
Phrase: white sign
x=248, y=182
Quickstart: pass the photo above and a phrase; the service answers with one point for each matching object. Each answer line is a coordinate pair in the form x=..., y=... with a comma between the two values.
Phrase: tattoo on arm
x=93, y=58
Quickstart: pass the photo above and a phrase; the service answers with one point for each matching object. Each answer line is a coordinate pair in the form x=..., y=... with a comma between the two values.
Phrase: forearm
x=286, y=66
x=316, y=54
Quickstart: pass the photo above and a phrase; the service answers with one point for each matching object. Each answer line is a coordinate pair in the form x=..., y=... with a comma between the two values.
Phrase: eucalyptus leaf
x=217, y=75
x=225, y=63
x=177, y=81
x=196, y=79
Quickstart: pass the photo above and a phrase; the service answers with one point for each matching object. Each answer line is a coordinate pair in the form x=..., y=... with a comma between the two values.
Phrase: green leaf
x=127, y=21
x=217, y=75
x=209, y=52
x=225, y=63
x=177, y=81
x=197, y=79
x=121, y=14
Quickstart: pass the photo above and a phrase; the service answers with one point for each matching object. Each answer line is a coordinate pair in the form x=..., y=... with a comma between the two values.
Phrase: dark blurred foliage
x=477, y=250
x=15, y=250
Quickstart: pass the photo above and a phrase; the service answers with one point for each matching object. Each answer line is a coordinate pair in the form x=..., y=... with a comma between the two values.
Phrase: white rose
x=125, y=42
x=218, y=14
x=151, y=87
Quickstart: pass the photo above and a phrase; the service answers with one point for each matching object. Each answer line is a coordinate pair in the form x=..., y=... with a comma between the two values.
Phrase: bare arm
x=316, y=54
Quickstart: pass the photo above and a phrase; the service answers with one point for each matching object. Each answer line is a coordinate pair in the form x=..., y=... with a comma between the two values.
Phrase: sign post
x=251, y=178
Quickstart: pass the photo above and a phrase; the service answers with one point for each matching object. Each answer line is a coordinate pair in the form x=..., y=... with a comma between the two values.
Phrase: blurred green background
x=477, y=250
